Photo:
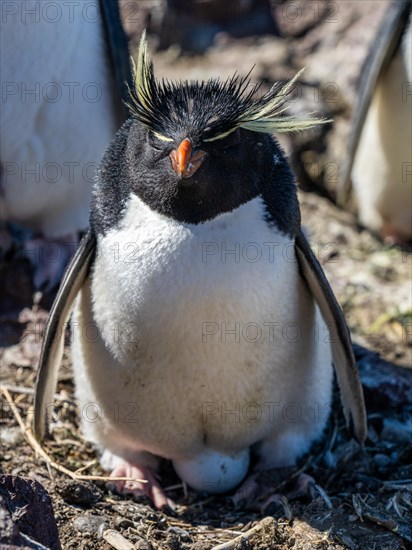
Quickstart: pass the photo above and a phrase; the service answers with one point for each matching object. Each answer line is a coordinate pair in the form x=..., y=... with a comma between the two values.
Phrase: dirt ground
x=363, y=496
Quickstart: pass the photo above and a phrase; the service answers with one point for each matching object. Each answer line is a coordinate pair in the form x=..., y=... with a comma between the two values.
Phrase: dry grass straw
x=38, y=449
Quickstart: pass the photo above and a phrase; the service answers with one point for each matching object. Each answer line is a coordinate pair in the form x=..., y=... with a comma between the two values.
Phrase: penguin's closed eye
x=158, y=144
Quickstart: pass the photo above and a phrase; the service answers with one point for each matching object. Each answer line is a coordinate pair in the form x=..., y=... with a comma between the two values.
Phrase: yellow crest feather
x=267, y=119
x=264, y=114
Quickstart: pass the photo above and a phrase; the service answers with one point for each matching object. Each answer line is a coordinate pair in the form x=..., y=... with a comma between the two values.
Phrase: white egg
x=213, y=472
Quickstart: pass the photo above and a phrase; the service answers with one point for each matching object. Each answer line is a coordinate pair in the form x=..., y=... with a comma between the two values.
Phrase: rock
x=396, y=431
x=11, y=436
x=79, y=492
x=296, y=19
x=385, y=385
x=116, y=540
x=133, y=511
x=143, y=545
x=123, y=523
x=31, y=512
x=9, y=533
x=17, y=289
x=195, y=25
x=182, y=533
x=381, y=460
x=89, y=523
x=14, y=355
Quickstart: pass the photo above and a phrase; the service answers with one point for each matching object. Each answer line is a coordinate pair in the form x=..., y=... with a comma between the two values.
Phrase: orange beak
x=183, y=163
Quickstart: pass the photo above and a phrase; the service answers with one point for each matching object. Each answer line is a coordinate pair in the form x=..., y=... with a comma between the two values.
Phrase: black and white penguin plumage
x=378, y=169
x=214, y=328
x=63, y=72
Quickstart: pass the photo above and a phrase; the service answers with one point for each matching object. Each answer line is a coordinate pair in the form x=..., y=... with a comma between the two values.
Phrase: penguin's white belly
x=202, y=337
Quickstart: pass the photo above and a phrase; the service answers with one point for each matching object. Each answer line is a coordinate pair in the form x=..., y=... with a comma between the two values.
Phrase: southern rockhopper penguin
x=63, y=72
x=378, y=169
x=192, y=177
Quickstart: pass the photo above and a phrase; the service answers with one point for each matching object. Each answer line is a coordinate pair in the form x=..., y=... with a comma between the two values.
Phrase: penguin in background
x=378, y=170
x=193, y=176
x=64, y=69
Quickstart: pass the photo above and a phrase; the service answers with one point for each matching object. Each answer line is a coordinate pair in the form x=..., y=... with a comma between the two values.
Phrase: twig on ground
x=40, y=451
x=230, y=545
x=30, y=391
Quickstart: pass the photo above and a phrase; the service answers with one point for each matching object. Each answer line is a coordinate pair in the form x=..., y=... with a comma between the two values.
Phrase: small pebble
x=139, y=530
x=396, y=431
x=182, y=533
x=76, y=492
x=102, y=528
x=136, y=511
x=123, y=523
x=88, y=523
x=347, y=541
x=11, y=436
x=381, y=460
x=117, y=541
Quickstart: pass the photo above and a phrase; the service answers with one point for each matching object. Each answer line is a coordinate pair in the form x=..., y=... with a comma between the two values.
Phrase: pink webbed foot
x=49, y=258
x=151, y=488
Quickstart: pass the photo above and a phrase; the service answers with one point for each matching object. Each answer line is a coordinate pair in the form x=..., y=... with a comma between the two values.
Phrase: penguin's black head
x=192, y=179
x=193, y=150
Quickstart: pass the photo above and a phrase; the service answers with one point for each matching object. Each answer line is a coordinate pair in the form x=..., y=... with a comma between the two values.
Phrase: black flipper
x=53, y=342
x=342, y=352
x=77, y=271
x=119, y=55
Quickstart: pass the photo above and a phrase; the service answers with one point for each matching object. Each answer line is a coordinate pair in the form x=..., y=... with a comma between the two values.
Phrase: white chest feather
x=169, y=275
x=207, y=329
